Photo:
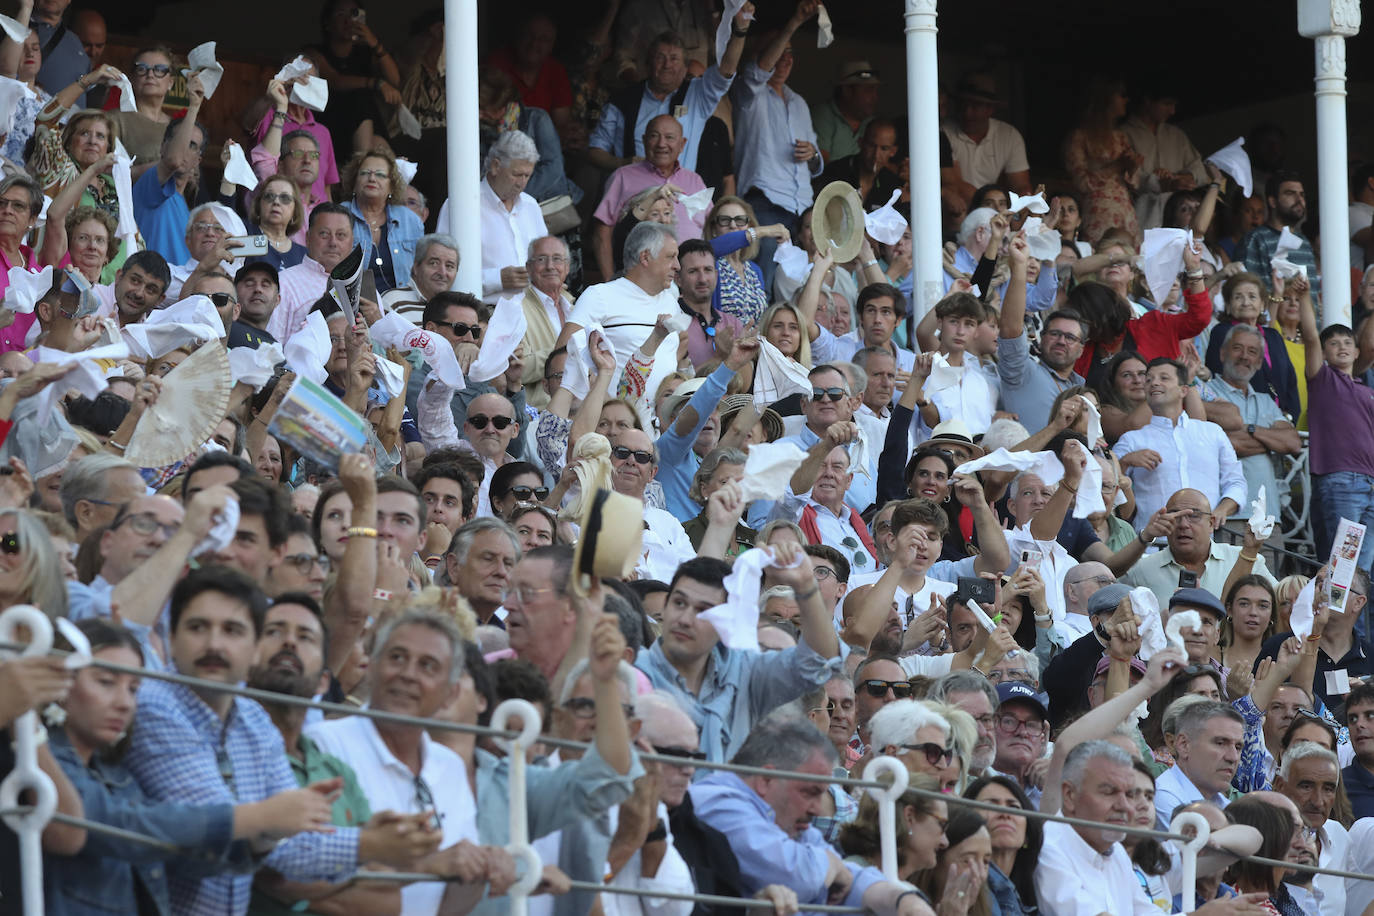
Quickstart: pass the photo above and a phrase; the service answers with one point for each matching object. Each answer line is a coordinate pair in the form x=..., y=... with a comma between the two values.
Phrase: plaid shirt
x=182, y=752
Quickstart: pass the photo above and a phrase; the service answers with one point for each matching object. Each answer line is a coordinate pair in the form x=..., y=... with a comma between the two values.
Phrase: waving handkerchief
x=12, y=92
x=727, y=23
x=394, y=331
x=26, y=288
x=1145, y=604
x=1261, y=522
x=86, y=376
x=308, y=349
x=390, y=380
x=298, y=67
x=312, y=92
x=1235, y=161
x=737, y=620
x=126, y=93
x=792, y=262
x=776, y=376
x=254, y=366
x=825, y=29
x=1286, y=269
x=1034, y=203
x=1044, y=244
x=1044, y=465
x=409, y=124
x=861, y=459
x=407, y=169
x=697, y=203
x=1163, y=254
x=1301, y=618
x=678, y=323
x=201, y=59
x=504, y=332
x=149, y=340
x=1280, y=263
x=222, y=530
x=943, y=375
x=885, y=224
x=232, y=223
x=1173, y=630
x=1094, y=420
x=122, y=174
x=768, y=468
x=16, y=30
x=238, y=170
x=580, y=368
x=1089, y=498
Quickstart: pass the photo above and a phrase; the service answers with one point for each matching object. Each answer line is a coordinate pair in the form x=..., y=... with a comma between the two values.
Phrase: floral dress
x=739, y=296
x=1105, y=193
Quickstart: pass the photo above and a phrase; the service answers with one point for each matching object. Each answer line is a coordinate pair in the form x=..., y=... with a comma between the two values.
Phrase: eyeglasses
x=1196, y=516
x=554, y=377
x=1066, y=336
x=525, y=494
x=688, y=757
x=304, y=562
x=9, y=544
x=18, y=206
x=1015, y=674
x=145, y=523
x=823, y=572
x=480, y=421
x=554, y=260
x=936, y=755
x=462, y=329
x=835, y=394
x=1011, y=725
x=272, y=197
x=740, y=220
x=1308, y=834
x=224, y=300
x=373, y=173
x=585, y=708
x=525, y=595
x=621, y=453
x=877, y=688
x=312, y=154
x=158, y=70
x=424, y=798
x=829, y=708
x=1100, y=580
x=207, y=227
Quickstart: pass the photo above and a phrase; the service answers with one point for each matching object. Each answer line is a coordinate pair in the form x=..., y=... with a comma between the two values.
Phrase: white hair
x=1303, y=750
x=512, y=146
x=529, y=252
x=777, y=591
x=442, y=239
x=658, y=701
x=1004, y=433
x=647, y=236
x=899, y=721
x=977, y=219
x=1076, y=765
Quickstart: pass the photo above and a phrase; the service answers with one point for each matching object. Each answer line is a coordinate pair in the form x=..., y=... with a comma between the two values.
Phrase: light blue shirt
x=1172, y=789
x=767, y=126
x=1039, y=295
x=767, y=854
x=162, y=215
x=739, y=688
x=677, y=463
x=403, y=230
x=1263, y=412
x=93, y=600
x=703, y=95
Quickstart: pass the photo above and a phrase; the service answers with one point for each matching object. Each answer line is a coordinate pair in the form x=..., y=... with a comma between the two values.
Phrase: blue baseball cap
x=1009, y=691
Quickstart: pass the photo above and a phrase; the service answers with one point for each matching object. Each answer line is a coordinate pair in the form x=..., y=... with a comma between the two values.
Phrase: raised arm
x=817, y=620
x=992, y=540
x=11, y=51
x=276, y=94
x=734, y=48
x=176, y=152
x=772, y=52
x=351, y=601
x=809, y=300
x=589, y=414
x=55, y=245
x=1012, y=321
x=837, y=434
x=1307, y=320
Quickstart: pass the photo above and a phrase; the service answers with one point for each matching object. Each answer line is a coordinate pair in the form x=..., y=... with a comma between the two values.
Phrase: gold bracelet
x=1250, y=559
x=361, y=532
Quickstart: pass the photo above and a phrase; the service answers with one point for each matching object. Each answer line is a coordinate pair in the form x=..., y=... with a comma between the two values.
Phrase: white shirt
x=627, y=314
x=1074, y=626
x=550, y=308
x=673, y=875
x=836, y=531
x=984, y=162
x=1360, y=858
x=391, y=786
x=1335, y=855
x=666, y=545
x=1195, y=455
x=1172, y=789
x=973, y=400
x=506, y=236
x=1073, y=879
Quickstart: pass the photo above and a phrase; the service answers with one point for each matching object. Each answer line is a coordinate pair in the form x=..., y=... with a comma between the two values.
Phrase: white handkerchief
x=394, y=331
x=26, y=288
x=308, y=349
x=1301, y=618
x=11, y=93
x=1094, y=420
x=1287, y=242
x=1163, y=254
x=943, y=375
x=737, y=620
x=254, y=366
x=727, y=23
x=1044, y=244
x=85, y=376
x=768, y=468
x=776, y=376
x=149, y=341
x=678, y=323
x=792, y=262
x=1173, y=630
x=861, y=461
x=1261, y=522
x=126, y=94
x=201, y=59
x=1035, y=203
x=579, y=366
x=390, y=378
x=885, y=224
x=238, y=170
x=298, y=67
x=504, y=332
x=1089, y=498
x=312, y=92
x=122, y=174
x=222, y=530
x=981, y=616
x=1286, y=269
x=407, y=169
x=1044, y=465
x=409, y=124
x=1235, y=161
x=16, y=30
x=227, y=218
x=825, y=30
x=1145, y=604
x=697, y=203
x=81, y=646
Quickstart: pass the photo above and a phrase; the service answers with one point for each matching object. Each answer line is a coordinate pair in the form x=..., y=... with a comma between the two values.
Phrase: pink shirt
x=301, y=287
x=12, y=337
x=329, y=169
x=629, y=180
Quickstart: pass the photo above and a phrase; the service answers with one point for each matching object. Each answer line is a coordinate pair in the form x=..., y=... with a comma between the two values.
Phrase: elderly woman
x=152, y=73
x=1244, y=298
x=277, y=212
x=719, y=467
x=734, y=232
x=382, y=224
x=21, y=200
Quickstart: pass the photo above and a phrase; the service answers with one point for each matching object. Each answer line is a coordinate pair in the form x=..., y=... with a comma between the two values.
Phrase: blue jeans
x=767, y=214
x=1343, y=494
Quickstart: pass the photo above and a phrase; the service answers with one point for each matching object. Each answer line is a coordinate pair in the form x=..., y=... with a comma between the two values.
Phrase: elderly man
x=1207, y=747
x=541, y=616
x=490, y=425
x=328, y=241
x=159, y=194
x=480, y=561
x=208, y=230
x=881, y=368
x=843, y=121
x=1258, y=430
x=547, y=305
x=626, y=306
x=1067, y=678
x=634, y=463
x=415, y=671
x=1191, y=549
x=975, y=695
x=1310, y=776
x=258, y=288
x=617, y=139
x=1021, y=729
x=867, y=167
x=434, y=270
x=816, y=500
x=663, y=145
x=94, y=488
x=987, y=151
x=768, y=823
x=511, y=219
x=139, y=287
x=732, y=688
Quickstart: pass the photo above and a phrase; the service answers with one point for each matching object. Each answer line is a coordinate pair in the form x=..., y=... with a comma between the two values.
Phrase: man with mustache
x=1207, y=751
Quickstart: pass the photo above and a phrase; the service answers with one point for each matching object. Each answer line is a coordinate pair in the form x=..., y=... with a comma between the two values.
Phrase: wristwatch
x=1250, y=428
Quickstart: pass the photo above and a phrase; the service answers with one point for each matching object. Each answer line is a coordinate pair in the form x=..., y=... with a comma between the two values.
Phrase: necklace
x=1295, y=337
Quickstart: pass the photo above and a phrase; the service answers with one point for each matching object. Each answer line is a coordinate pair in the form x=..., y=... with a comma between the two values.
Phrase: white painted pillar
x=923, y=140
x=464, y=163
x=1329, y=23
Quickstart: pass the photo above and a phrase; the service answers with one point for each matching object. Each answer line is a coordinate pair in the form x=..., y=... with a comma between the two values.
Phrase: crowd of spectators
x=1017, y=541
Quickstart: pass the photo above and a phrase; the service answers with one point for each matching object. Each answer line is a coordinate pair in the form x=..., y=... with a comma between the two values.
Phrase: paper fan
x=194, y=399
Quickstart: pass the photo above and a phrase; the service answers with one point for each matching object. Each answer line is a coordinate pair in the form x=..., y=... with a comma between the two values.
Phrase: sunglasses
x=479, y=421
x=877, y=689
x=9, y=544
x=222, y=300
x=272, y=197
x=425, y=799
x=525, y=494
x=621, y=453
x=834, y=394
x=159, y=70
x=463, y=330
x=740, y=220
x=936, y=755
x=680, y=752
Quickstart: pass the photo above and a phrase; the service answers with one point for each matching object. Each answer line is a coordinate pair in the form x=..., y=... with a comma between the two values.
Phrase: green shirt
x=350, y=810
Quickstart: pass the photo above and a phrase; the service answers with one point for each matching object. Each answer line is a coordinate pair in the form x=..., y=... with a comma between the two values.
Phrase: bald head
x=1191, y=539
x=664, y=142
x=89, y=26
x=665, y=722
x=1082, y=582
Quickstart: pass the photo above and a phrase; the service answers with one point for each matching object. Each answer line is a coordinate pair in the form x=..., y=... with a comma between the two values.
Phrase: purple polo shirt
x=329, y=169
x=627, y=181
x=1340, y=418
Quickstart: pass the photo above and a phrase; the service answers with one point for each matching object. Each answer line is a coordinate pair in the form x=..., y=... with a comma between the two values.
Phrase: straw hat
x=194, y=399
x=838, y=219
x=955, y=433
x=610, y=539
x=732, y=404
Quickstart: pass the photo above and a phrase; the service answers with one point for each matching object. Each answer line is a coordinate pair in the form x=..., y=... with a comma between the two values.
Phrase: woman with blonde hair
x=1285, y=593
x=30, y=570
x=1104, y=167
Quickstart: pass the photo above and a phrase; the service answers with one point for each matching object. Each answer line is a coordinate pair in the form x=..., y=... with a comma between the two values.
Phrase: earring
x=54, y=715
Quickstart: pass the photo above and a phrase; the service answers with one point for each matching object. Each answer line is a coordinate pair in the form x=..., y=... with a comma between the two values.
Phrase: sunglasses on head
x=9, y=544
x=525, y=494
x=621, y=452
x=480, y=421
x=834, y=394
x=878, y=688
x=936, y=755
x=463, y=330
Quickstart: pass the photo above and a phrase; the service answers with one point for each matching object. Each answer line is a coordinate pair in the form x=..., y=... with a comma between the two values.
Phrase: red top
x=551, y=90
x=1158, y=333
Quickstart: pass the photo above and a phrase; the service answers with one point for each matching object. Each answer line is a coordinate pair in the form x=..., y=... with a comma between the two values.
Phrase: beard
x=886, y=644
x=283, y=680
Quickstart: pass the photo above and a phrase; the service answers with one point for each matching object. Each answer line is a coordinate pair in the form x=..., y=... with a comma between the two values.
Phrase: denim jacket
x=403, y=230
x=100, y=878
